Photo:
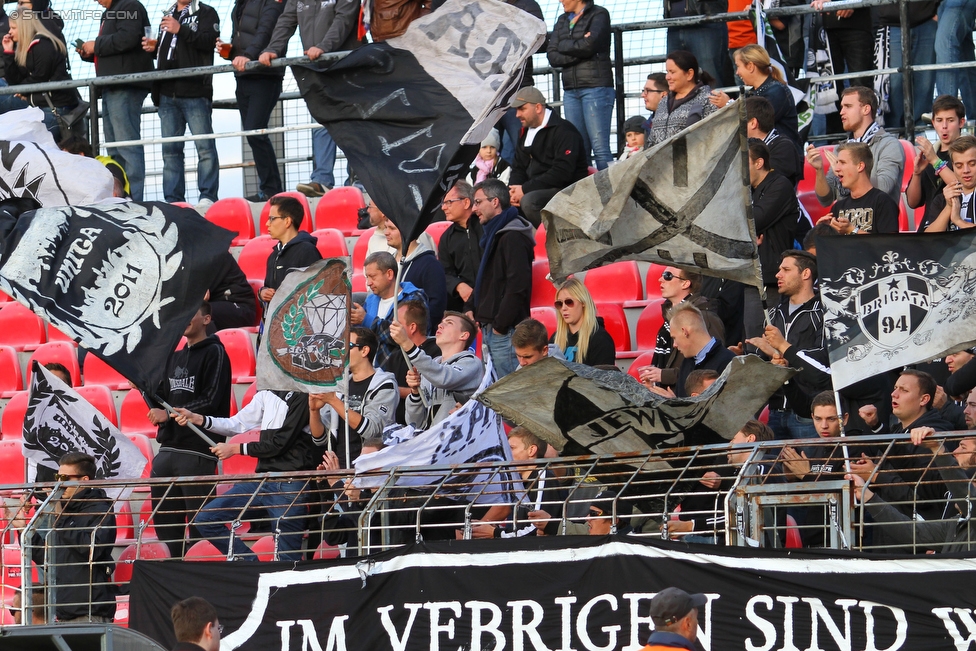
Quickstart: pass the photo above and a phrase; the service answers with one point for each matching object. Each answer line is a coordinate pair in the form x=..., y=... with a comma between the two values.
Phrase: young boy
x=634, y=133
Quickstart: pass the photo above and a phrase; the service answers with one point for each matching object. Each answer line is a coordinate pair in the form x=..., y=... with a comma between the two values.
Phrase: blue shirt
x=700, y=357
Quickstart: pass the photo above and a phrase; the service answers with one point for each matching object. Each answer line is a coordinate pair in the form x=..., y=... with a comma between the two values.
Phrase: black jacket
x=716, y=359
x=83, y=579
x=583, y=51
x=460, y=254
x=666, y=356
x=808, y=352
x=253, y=23
x=45, y=62
x=962, y=381
x=118, y=46
x=600, y=350
x=506, y=287
x=785, y=157
x=775, y=211
x=228, y=283
x=194, y=48
x=698, y=8
x=198, y=379
x=556, y=159
x=297, y=254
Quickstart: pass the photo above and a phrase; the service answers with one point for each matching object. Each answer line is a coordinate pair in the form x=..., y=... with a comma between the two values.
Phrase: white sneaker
x=203, y=206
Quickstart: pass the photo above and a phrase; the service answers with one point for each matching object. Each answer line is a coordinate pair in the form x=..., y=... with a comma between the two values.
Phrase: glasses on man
x=648, y=91
x=448, y=202
x=271, y=218
x=60, y=477
x=355, y=344
x=568, y=302
x=668, y=276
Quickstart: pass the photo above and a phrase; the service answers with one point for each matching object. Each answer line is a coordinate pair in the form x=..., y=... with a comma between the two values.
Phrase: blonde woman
x=580, y=334
x=754, y=67
x=33, y=55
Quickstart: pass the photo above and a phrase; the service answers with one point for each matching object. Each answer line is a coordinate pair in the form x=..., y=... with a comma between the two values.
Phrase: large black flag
x=411, y=112
x=122, y=279
x=894, y=300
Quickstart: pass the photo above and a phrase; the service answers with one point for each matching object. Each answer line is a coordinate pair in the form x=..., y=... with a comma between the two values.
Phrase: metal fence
x=775, y=494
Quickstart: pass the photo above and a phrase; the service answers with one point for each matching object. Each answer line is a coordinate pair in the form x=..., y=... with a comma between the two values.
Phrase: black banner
x=569, y=594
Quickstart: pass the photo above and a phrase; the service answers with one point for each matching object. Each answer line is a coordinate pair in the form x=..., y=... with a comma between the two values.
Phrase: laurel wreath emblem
x=293, y=322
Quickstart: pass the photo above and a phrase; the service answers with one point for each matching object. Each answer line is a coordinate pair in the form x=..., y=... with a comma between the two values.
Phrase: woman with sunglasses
x=580, y=334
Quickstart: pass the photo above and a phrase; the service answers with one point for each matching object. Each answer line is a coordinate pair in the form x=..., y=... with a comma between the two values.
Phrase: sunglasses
x=356, y=345
x=567, y=302
x=667, y=275
x=60, y=477
x=594, y=513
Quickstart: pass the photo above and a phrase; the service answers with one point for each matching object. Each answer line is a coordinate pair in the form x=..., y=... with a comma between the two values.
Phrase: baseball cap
x=672, y=604
x=634, y=125
x=528, y=95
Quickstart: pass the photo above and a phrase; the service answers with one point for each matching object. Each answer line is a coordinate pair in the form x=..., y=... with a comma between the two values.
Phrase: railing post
x=618, y=82
x=556, y=93
x=93, y=116
x=908, y=83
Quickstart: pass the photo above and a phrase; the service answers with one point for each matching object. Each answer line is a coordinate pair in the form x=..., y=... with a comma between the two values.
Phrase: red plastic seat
x=124, y=528
x=53, y=334
x=121, y=610
x=652, y=281
x=61, y=352
x=325, y=550
x=548, y=316
x=11, y=572
x=331, y=243
x=240, y=464
x=793, y=538
x=906, y=176
x=204, y=550
x=436, y=230
x=11, y=378
x=145, y=446
x=764, y=415
x=234, y=214
x=903, y=224
x=237, y=343
x=644, y=359
x=256, y=285
x=12, y=421
x=12, y=462
x=5, y=298
x=97, y=371
x=253, y=259
x=339, y=208
x=146, y=552
x=615, y=321
x=615, y=283
x=358, y=282
x=264, y=547
x=302, y=199
x=809, y=180
x=540, y=243
x=101, y=399
x=359, y=249
x=133, y=415
x=812, y=205
x=648, y=324
x=20, y=328
x=249, y=394
x=543, y=291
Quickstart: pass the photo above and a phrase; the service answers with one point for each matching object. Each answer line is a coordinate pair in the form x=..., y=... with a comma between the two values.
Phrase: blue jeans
x=710, y=45
x=501, y=350
x=283, y=500
x=590, y=111
x=324, y=155
x=787, y=425
x=923, y=52
x=122, y=120
x=511, y=129
x=175, y=114
x=954, y=43
x=13, y=103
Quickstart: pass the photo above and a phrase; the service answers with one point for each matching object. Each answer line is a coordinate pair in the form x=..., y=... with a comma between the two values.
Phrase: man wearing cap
x=675, y=616
x=550, y=156
x=634, y=135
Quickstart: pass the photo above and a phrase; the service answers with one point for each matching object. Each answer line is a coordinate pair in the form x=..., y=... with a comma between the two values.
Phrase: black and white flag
x=59, y=421
x=582, y=410
x=685, y=202
x=33, y=167
x=122, y=279
x=894, y=300
x=411, y=112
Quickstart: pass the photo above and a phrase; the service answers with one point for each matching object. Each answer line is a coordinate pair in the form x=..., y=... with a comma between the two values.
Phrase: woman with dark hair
x=580, y=48
x=687, y=101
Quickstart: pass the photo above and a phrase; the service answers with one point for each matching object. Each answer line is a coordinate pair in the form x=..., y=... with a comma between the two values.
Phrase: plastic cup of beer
x=224, y=50
x=150, y=33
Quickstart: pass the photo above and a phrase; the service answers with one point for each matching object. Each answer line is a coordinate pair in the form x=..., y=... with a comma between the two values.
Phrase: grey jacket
x=329, y=25
x=886, y=175
x=676, y=115
x=378, y=410
x=444, y=382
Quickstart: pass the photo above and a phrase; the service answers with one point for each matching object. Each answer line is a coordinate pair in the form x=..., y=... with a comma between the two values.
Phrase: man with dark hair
x=377, y=312
x=858, y=107
x=371, y=398
x=933, y=169
x=422, y=269
x=38, y=607
x=412, y=316
x=196, y=625
x=655, y=89
x=675, y=616
x=503, y=287
x=864, y=209
x=784, y=156
x=699, y=380
x=295, y=248
x=197, y=379
x=551, y=155
x=530, y=341
x=801, y=316
x=438, y=384
x=959, y=209
x=78, y=551
x=775, y=212
x=460, y=247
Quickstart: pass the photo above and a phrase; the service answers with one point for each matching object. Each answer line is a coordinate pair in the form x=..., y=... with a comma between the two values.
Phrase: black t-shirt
x=356, y=395
x=874, y=212
x=932, y=197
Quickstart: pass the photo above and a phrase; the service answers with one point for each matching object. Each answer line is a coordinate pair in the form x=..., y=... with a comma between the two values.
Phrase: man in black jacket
x=460, y=247
x=117, y=50
x=231, y=297
x=784, y=156
x=551, y=155
x=79, y=549
x=295, y=249
x=257, y=89
x=186, y=39
x=700, y=349
x=198, y=379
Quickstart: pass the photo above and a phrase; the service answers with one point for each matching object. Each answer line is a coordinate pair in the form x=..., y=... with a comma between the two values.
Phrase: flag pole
x=396, y=315
x=843, y=434
x=345, y=403
x=196, y=430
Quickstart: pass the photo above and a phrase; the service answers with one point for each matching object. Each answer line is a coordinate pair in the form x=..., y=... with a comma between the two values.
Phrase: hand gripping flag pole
x=396, y=315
